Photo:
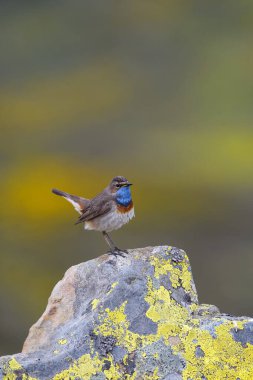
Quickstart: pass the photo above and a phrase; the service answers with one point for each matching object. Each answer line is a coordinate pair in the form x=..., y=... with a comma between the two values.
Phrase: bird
x=107, y=211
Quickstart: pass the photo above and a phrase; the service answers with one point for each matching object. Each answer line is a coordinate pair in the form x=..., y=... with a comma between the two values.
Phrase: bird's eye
x=117, y=185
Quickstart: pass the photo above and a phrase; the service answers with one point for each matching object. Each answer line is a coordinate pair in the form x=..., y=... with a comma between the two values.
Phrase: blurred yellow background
x=158, y=91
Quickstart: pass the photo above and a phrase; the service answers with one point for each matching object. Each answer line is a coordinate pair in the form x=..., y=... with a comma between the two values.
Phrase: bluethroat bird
x=107, y=211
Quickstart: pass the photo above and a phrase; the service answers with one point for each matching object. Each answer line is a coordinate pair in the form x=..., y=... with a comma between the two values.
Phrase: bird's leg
x=109, y=241
x=113, y=249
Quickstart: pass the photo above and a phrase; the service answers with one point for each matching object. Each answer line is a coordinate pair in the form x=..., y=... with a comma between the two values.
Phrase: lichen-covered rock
x=135, y=317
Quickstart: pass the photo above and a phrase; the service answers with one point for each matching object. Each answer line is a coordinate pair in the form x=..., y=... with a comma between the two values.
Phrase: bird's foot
x=118, y=252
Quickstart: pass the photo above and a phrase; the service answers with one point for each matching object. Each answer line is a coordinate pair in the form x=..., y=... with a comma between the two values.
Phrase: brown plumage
x=107, y=211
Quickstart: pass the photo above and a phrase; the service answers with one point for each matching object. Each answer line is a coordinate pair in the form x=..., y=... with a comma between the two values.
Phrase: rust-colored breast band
x=125, y=209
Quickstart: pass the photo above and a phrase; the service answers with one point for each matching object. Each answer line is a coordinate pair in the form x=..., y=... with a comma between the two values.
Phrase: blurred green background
x=158, y=91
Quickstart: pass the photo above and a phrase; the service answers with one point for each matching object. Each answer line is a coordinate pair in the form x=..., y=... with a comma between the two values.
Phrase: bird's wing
x=80, y=204
x=98, y=206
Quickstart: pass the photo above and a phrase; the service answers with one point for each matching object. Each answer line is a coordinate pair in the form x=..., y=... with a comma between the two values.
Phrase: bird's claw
x=118, y=252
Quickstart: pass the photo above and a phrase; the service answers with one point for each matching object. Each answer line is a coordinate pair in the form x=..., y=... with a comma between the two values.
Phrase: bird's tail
x=79, y=203
x=59, y=192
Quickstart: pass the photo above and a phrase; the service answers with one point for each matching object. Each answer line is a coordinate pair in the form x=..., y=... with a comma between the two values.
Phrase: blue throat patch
x=123, y=196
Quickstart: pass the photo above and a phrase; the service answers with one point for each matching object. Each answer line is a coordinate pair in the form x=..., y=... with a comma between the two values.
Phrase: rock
x=134, y=317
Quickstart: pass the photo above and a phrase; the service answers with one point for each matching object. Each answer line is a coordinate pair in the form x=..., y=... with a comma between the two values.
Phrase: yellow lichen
x=112, y=287
x=14, y=365
x=114, y=323
x=113, y=373
x=164, y=311
x=224, y=358
x=194, y=307
x=62, y=341
x=113, y=318
x=169, y=248
x=94, y=303
x=84, y=368
x=130, y=377
x=12, y=369
x=178, y=277
x=186, y=277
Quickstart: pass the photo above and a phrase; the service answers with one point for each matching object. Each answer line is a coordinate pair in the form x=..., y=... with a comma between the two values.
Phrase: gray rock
x=134, y=317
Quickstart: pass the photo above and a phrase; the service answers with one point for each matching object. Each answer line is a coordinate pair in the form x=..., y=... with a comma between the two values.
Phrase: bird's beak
x=126, y=184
